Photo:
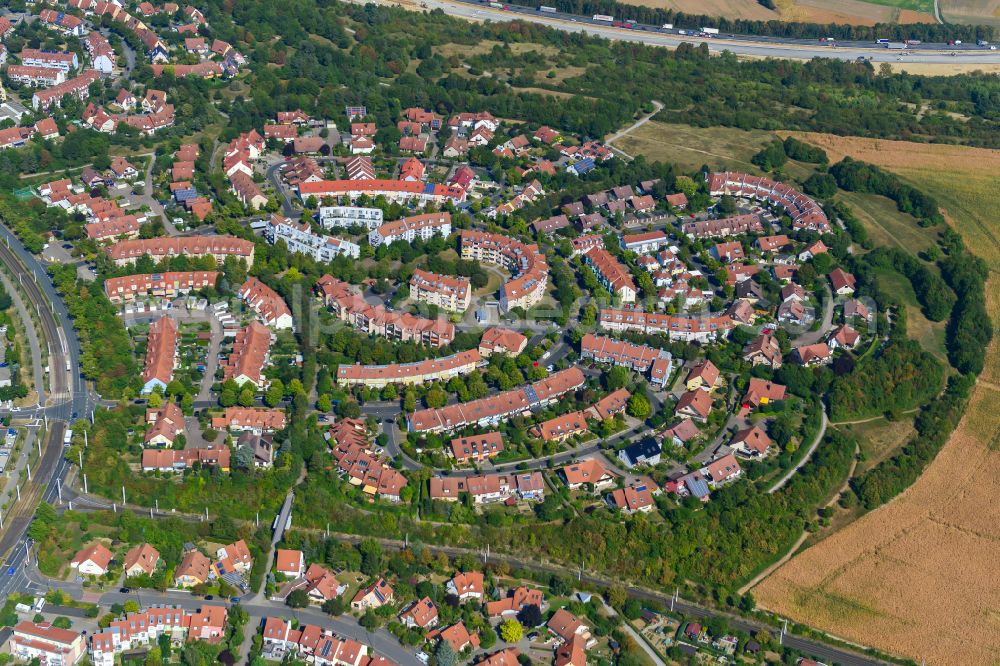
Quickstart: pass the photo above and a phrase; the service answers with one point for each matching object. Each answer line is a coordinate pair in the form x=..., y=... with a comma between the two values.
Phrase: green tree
x=511, y=631
x=247, y=397
x=324, y=403
x=638, y=406
x=297, y=599
x=275, y=392
x=445, y=654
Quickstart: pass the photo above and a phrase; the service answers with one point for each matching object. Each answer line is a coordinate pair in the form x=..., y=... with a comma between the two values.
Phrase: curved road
x=743, y=45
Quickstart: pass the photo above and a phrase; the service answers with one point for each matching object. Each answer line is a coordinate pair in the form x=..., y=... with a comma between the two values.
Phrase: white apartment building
x=349, y=216
x=300, y=239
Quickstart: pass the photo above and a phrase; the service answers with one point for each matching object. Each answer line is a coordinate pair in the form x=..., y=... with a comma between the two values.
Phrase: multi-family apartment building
x=408, y=229
x=350, y=216
x=445, y=291
x=348, y=304
x=299, y=238
x=218, y=247
x=526, y=263
x=166, y=285
x=437, y=369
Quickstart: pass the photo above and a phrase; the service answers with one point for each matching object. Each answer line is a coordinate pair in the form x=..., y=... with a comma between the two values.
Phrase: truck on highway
x=710, y=31
x=547, y=10
x=68, y=437
x=881, y=41
x=68, y=367
x=496, y=5
x=896, y=46
x=602, y=17
x=667, y=26
x=982, y=42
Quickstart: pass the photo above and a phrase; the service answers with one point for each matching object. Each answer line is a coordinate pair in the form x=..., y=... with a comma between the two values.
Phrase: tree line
x=856, y=176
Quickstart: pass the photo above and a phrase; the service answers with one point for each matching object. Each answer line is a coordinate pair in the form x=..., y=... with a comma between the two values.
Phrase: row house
x=640, y=358
x=526, y=264
x=447, y=292
x=247, y=190
x=302, y=170
x=360, y=167
x=311, y=644
x=493, y=409
x=358, y=464
x=476, y=448
x=67, y=24
x=173, y=460
x=165, y=285
x=615, y=277
x=394, y=191
x=250, y=355
x=688, y=328
x=408, y=229
x=268, y=305
x=78, y=87
x=161, y=355
x=218, y=247
x=489, y=488
x=299, y=239
x=203, y=70
x=126, y=226
x=805, y=212
x=730, y=226
x=134, y=630
x=163, y=425
x=242, y=419
x=349, y=305
x=437, y=369
x=102, y=55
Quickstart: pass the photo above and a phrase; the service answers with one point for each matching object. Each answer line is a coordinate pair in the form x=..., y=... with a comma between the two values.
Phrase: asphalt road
x=744, y=45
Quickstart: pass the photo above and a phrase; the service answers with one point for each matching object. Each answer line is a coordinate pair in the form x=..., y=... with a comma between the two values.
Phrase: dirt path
x=657, y=107
x=876, y=418
x=812, y=447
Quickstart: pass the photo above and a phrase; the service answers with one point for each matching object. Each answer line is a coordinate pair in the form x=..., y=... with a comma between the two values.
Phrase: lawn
x=690, y=147
x=886, y=225
x=878, y=439
x=930, y=334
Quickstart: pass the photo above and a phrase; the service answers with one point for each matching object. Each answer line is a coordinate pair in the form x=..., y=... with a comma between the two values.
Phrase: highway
x=742, y=45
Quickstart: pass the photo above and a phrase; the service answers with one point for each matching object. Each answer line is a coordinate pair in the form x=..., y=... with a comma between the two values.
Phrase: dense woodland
x=393, y=60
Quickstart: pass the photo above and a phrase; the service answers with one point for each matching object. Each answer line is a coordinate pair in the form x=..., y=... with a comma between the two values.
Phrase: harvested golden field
x=855, y=12
x=971, y=11
x=962, y=179
x=915, y=577
x=744, y=9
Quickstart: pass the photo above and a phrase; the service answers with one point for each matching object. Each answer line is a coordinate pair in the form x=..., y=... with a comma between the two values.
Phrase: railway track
x=58, y=379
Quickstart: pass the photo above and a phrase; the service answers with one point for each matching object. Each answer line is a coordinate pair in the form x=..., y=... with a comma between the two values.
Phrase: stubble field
x=854, y=12
x=916, y=576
